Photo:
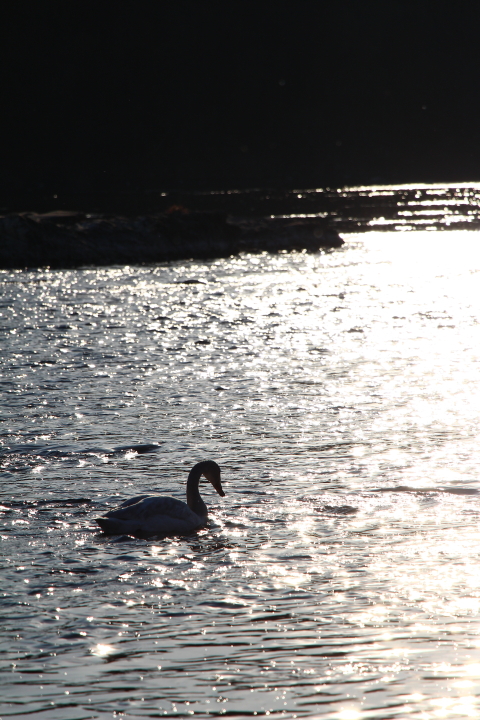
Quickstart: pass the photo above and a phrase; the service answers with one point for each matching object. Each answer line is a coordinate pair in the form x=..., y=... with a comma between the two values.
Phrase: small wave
x=39, y=503
x=428, y=490
x=67, y=452
x=142, y=448
x=337, y=509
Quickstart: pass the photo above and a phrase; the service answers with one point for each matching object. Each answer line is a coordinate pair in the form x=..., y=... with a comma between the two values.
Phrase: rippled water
x=339, y=577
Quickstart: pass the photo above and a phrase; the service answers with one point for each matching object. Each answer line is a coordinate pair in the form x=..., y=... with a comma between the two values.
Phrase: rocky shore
x=64, y=239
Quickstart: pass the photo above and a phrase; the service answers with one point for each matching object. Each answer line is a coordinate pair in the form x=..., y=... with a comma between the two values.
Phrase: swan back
x=151, y=514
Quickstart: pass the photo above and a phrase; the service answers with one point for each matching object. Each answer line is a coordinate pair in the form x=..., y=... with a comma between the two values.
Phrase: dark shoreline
x=157, y=227
x=64, y=239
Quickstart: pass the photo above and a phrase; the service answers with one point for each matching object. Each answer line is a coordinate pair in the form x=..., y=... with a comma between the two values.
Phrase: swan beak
x=216, y=482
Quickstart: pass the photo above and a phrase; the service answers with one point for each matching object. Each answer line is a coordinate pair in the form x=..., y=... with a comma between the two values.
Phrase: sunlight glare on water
x=339, y=576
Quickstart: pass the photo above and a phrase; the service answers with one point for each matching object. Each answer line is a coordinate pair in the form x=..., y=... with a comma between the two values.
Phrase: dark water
x=339, y=576
x=350, y=210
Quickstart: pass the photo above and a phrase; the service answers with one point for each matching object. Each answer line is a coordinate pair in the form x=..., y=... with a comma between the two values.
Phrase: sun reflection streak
x=349, y=714
x=102, y=650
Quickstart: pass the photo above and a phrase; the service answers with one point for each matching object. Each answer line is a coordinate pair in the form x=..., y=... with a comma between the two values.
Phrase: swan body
x=155, y=514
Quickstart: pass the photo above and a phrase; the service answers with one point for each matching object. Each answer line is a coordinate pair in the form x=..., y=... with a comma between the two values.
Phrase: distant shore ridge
x=64, y=239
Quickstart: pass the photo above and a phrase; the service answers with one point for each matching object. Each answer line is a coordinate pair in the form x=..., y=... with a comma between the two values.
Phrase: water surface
x=339, y=577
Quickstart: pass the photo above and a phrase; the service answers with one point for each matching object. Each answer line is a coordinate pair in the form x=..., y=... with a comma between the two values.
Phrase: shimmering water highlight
x=339, y=576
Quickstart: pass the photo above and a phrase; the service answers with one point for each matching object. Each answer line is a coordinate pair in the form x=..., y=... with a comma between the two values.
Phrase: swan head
x=211, y=472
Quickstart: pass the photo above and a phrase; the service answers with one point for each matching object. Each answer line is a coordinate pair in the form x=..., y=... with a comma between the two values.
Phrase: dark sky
x=195, y=94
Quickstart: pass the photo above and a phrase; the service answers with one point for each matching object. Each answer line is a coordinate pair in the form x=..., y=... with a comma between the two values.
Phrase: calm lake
x=339, y=577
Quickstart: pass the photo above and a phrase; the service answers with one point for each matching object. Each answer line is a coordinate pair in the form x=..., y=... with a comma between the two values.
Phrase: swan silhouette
x=155, y=514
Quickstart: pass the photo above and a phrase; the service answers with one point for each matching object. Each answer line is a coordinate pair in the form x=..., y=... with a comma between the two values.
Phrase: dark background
x=144, y=97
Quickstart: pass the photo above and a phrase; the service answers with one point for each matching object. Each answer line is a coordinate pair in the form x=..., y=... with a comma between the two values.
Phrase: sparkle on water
x=339, y=577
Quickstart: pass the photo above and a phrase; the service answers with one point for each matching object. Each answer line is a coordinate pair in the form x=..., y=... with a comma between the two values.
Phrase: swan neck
x=194, y=501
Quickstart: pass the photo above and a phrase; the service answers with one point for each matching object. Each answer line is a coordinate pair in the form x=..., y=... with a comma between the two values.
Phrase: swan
x=160, y=514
